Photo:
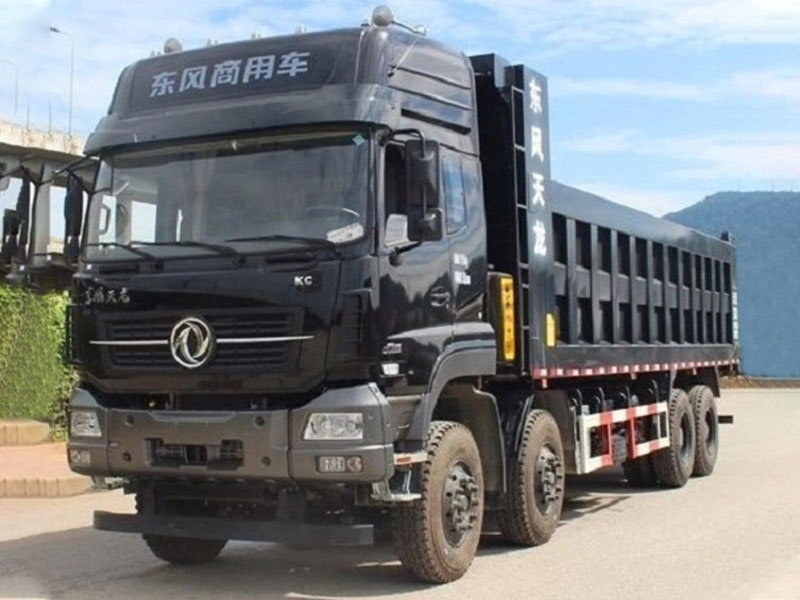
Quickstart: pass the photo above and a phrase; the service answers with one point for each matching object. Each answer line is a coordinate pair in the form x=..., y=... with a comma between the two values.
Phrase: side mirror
x=422, y=168
x=10, y=236
x=23, y=213
x=425, y=226
x=73, y=217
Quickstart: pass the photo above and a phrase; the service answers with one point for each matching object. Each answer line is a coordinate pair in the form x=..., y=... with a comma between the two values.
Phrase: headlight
x=334, y=426
x=84, y=423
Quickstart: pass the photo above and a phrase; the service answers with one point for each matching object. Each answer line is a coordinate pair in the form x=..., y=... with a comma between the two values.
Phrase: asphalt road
x=733, y=535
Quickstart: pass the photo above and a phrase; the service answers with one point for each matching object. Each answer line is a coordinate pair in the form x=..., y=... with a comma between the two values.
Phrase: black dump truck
x=324, y=286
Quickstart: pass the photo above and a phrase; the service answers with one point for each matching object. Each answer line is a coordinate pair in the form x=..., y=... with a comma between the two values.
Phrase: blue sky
x=655, y=105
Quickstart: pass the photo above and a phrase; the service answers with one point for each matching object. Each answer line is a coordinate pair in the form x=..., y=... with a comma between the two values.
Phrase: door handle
x=439, y=297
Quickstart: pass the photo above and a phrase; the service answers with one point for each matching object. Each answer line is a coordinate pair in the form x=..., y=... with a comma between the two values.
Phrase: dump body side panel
x=631, y=289
x=601, y=288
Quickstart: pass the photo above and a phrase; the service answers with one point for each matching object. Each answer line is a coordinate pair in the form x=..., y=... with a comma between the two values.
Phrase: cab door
x=465, y=229
x=417, y=296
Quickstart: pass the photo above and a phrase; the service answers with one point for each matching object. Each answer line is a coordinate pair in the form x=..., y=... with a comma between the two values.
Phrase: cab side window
x=395, y=180
x=455, y=205
x=473, y=190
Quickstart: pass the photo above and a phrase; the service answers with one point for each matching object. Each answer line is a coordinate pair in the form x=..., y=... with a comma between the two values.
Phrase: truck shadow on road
x=86, y=564
x=586, y=495
x=598, y=491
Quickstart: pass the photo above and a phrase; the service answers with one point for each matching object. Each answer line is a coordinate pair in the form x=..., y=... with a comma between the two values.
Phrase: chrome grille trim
x=261, y=340
x=130, y=343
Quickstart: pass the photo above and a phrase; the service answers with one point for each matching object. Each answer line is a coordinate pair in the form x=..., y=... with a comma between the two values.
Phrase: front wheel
x=436, y=536
x=535, y=495
x=183, y=551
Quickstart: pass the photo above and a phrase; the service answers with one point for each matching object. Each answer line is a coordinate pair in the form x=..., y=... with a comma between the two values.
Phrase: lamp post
x=16, y=82
x=71, y=68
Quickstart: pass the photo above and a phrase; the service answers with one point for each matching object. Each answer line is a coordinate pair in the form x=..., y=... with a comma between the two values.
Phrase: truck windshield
x=241, y=194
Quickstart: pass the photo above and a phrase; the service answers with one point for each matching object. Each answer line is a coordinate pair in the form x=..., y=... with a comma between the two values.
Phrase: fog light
x=330, y=464
x=334, y=426
x=84, y=423
x=80, y=458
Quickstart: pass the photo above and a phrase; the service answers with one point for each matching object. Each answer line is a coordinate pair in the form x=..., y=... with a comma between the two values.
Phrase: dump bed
x=601, y=288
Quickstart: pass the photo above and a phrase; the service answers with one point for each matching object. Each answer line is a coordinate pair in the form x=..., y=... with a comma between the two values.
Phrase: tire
x=707, y=429
x=535, y=490
x=183, y=551
x=639, y=472
x=436, y=539
x=673, y=466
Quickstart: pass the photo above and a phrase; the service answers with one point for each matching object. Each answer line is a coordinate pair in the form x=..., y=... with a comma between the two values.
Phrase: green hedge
x=34, y=380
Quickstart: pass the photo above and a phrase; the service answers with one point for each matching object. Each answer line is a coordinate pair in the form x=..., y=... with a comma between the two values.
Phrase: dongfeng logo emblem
x=191, y=342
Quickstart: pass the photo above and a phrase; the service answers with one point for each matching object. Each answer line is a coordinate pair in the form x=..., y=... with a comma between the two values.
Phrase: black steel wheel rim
x=460, y=503
x=548, y=475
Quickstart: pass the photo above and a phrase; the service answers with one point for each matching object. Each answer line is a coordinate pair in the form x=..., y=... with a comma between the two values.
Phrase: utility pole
x=71, y=69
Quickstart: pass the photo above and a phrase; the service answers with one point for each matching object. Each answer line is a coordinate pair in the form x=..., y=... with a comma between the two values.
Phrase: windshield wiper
x=219, y=249
x=299, y=239
x=127, y=247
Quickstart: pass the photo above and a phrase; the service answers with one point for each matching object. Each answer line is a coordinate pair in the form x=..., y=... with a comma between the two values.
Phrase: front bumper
x=293, y=533
x=269, y=444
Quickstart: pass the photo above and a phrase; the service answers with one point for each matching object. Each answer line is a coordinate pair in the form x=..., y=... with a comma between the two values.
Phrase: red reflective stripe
x=638, y=368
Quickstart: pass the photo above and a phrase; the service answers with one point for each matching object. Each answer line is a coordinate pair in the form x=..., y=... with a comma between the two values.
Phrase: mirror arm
x=397, y=251
x=73, y=167
x=394, y=133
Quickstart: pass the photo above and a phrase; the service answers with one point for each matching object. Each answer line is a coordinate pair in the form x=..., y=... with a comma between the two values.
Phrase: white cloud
x=615, y=87
x=614, y=24
x=755, y=157
x=782, y=83
x=777, y=83
x=109, y=35
x=602, y=143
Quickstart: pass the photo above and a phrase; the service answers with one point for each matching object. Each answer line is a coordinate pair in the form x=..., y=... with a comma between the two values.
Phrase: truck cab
x=290, y=221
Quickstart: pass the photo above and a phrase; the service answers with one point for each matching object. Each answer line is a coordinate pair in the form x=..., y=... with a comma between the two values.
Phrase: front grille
x=226, y=325
x=272, y=354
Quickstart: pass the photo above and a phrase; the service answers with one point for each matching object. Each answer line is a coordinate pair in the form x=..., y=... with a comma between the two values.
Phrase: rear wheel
x=673, y=465
x=535, y=495
x=437, y=535
x=183, y=551
x=706, y=426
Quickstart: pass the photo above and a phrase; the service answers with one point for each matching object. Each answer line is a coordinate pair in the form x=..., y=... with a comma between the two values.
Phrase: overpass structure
x=33, y=157
x=31, y=148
